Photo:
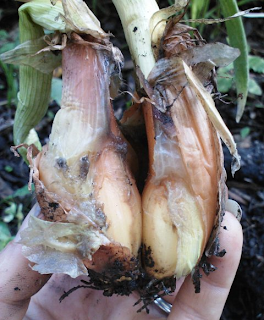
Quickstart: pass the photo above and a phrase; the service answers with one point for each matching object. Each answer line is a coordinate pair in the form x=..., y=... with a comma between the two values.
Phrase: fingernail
x=233, y=207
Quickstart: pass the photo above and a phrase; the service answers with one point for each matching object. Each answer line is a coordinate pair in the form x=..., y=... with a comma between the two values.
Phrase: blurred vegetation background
x=246, y=299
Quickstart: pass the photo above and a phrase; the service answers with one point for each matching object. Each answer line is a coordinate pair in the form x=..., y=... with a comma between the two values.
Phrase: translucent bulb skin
x=83, y=175
x=180, y=199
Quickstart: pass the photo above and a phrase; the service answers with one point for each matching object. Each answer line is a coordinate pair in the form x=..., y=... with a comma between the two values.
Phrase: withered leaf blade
x=220, y=54
x=80, y=18
x=215, y=117
x=26, y=54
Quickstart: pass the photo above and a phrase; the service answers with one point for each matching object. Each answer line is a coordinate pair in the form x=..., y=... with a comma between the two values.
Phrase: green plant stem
x=135, y=17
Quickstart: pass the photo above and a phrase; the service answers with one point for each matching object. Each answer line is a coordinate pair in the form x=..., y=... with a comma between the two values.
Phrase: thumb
x=209, y=303
x=18, y=281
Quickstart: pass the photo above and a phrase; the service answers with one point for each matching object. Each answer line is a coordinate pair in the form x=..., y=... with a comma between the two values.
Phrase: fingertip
x=231, y=240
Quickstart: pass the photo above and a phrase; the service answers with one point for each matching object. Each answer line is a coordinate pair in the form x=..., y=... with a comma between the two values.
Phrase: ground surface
x=246, y=299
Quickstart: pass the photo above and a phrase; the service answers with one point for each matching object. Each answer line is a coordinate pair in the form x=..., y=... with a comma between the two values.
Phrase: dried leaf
x=220, y=54
x=214, y=116
x=26, y=55
x=80, y=18
x=227, y=18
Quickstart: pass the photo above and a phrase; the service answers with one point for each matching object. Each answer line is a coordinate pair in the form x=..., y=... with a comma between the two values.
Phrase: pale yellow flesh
x=118, y=193
x=172, y=229
x=159, y=236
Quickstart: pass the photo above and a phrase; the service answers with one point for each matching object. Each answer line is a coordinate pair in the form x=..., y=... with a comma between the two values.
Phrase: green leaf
x=237, y=39
x=10, y=212
x=225, y=78
x=7, y=47
x=8, y=169
x=4, y=231
x=34, y=86
x=3, y=34
x=56, y=90
x=5, y=235
x=224, y=83
x=256, y=64
x=50, y=114
x=244, y=132
x=11, y=82
x=128, y=104
x=254, y=88
x=242, y=2
x=19, y=214
x=28, y=54
x=199, y=8
x=22, y=192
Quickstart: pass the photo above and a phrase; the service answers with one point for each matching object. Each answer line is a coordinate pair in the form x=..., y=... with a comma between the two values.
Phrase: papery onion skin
x=82, y=176
x=181, y=197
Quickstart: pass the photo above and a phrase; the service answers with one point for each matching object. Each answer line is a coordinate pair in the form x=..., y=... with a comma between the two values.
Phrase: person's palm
x=24, y=293
x=84, y=303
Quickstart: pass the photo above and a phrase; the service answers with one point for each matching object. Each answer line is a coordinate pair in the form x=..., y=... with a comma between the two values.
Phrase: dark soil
x=246, y=299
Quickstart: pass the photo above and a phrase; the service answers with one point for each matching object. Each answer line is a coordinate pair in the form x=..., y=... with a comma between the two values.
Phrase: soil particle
x=148, y=260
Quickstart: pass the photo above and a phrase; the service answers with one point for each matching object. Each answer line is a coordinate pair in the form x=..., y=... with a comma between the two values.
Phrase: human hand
x=26, y=294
